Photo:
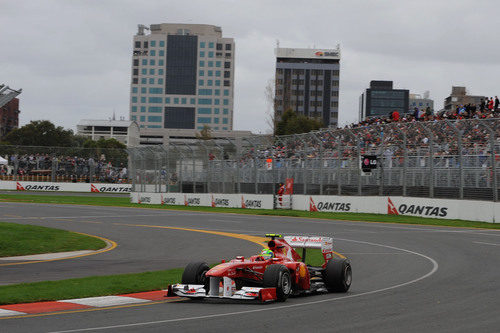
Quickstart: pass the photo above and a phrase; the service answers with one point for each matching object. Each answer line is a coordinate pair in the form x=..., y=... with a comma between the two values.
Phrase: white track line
x=487, y=243
x=434, y=269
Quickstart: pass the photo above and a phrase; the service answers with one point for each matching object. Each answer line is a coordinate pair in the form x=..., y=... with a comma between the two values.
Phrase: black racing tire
x=194, y=273
x=278, y=276
x=337, y=275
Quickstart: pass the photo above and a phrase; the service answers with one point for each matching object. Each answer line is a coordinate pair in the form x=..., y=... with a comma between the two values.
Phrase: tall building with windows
x=307, y=82
x=381, y=99
x=182, y=77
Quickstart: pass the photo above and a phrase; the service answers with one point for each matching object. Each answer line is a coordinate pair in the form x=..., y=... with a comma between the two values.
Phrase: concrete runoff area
x=405, y=277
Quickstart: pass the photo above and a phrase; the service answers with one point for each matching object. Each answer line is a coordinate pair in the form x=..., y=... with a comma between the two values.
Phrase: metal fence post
x=431, y=158
x=459, y=135
x=339, y=161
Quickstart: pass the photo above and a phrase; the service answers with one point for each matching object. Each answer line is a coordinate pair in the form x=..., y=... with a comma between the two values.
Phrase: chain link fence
x=64, y=164
x=441, y=159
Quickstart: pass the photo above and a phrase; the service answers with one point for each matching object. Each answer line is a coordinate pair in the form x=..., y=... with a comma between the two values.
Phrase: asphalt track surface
x=405, y=278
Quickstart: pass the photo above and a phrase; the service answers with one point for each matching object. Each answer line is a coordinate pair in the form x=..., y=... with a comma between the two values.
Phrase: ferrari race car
x=273, y=275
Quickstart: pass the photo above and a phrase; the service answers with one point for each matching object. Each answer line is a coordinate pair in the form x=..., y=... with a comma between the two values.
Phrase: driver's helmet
x=267, y=254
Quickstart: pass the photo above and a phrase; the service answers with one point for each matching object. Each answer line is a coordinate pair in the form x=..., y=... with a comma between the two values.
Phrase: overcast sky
x=73, y=58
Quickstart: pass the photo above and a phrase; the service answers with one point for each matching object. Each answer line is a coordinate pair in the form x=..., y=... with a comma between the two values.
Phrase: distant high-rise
x=381, y=99
x=307, y=82
x=182, y=77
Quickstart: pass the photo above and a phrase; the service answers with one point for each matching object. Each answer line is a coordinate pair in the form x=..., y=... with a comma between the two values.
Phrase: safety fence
x=440, y=159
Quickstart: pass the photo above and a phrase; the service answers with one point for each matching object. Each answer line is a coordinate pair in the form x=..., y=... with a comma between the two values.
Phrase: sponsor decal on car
x=329, y=206
x=419, y=210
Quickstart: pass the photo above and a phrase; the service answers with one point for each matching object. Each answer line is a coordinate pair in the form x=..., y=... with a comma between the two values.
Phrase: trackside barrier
x=484, y=211
x=248, y=201
x=65, y=187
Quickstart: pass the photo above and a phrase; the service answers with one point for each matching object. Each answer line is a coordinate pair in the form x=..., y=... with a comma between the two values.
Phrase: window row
x=217, y=83
x=299, y=92
x=208, y=120
x=218, y=46
x=315, y=72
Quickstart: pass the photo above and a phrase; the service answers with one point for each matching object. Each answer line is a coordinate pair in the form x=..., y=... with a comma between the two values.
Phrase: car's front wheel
x=195, y=273
x=277, y=276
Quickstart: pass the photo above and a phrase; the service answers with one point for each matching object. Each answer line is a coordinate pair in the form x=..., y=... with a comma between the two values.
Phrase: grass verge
x=23, y=239
x=125, y=202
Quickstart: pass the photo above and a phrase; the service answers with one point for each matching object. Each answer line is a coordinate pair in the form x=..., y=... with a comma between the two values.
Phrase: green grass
x=125, y=202
x=88, y=287
x=314, y=257
x=22, y=239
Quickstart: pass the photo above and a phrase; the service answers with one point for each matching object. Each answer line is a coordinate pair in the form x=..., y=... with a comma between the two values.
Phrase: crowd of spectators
x=66, y=168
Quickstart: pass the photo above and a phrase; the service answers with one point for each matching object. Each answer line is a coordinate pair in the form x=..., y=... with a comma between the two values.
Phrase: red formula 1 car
x=268, y=277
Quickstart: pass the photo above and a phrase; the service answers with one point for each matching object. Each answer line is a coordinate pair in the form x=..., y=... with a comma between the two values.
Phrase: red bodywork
x=252, y=269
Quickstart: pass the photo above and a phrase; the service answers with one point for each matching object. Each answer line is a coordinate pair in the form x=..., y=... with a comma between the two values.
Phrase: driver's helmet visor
x=267, y=254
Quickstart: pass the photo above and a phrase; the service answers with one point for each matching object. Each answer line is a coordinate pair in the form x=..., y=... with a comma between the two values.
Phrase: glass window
x=151, y=62
x=211, y=45
x=143, y=109
x=216, y=102
x=204, y=120
x=134, y=90
x=144, y=62
x=144, y=80
x=134, y=108
x=204, y=101
x=226, y=102
x=153, y=43
x=202, y=54
x=205, y=92
x=152, y=53
x=151, y=81
x=211, y=54
x=160, y=71
x=224, y=128
x=227, y=74
x=154, y=126
x=143, y=118
x=183, y=100
x=176, y=100
x=201, y=72
x=155, y=100
x=217, y=73
x=160, y=62
x=227, y=64
x=217, y=92
x=160, y=81
x=226, y=83
x=226, y=92
x=228, y=47
x=155, y=90
x=136, y=62
x=225, y=111
x=216, y=110
x=167, y=100
x=218, y=64
x=154, y=119
x=134, y=117
x=145, y=45
x=202, y=63
x=192, y=101
x=210, y=82
x=162, y=43
x=201, y=82
x=210, y=73
x=134, y=99
x=210, y=64
x=155, y=109
x=216, y=120
x=219, y=47
x=143, y=90
x=224, y=120
x=137, y=45
x=202, y=45
x=204, y=111
x=151, y=71
x=217, y=83
x=144, y=71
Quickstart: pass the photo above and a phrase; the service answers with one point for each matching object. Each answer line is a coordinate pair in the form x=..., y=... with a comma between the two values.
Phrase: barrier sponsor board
x=248, y=201
x=65, y=187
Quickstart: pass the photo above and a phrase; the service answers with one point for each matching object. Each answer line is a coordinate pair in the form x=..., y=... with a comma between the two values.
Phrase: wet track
x=405, y=278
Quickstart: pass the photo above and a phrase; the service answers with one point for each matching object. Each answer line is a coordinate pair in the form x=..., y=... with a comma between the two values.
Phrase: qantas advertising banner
x=65, y=187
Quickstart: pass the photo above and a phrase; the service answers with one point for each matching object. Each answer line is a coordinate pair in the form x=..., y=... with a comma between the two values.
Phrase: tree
x=291, y=123
x=205, y=133
x=40, y=133
x=271, y=104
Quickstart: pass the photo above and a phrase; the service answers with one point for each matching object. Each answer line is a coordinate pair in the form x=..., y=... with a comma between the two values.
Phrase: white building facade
x=182, y=77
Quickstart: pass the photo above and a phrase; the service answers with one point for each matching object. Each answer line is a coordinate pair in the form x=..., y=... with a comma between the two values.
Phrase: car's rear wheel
x=195, y=273
x=278, y=276
x=337, y=275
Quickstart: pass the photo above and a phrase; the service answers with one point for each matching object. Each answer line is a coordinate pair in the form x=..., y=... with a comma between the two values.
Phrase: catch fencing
x=441, y=159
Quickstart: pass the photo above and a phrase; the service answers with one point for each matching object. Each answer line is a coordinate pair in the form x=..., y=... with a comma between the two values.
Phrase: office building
x=459, y=97
x=124, y=131
x=307, y=82
x=9, y=110
x=422, y=102
x=381, y=99
x=182, y=77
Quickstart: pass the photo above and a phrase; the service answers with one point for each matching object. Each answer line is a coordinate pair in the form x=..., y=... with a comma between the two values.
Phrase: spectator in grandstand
x=395, y=115
x=497, y=102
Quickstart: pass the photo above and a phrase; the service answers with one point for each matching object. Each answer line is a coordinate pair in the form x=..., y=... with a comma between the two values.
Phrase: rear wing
x=311, y=242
